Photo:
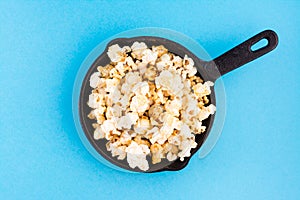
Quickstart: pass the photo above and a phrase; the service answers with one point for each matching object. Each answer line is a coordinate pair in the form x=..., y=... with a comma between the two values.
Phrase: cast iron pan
x=207, y=70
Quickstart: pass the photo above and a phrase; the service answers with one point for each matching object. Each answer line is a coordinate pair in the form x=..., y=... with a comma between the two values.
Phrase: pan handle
x=242, y=54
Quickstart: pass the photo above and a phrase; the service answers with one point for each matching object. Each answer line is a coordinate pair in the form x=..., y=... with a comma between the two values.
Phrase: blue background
x=42, y=45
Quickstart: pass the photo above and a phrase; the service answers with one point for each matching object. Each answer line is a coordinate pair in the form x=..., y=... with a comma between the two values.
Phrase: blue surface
x=41, y=48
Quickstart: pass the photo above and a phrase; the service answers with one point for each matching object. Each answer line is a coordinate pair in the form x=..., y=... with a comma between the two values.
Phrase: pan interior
x=99, y=57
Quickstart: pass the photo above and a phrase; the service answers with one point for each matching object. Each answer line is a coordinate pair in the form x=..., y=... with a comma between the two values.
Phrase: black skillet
x=207, y=70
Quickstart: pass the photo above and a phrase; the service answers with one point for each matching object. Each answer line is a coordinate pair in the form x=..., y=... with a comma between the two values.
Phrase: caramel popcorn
x=148, y=102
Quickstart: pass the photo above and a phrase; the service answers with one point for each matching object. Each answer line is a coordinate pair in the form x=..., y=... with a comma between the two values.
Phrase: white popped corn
x=148, y=102
x=155, y=135
x=95, y=100
x=107, y=126
x=115, y=53
x=188, y=63
x=137, y=49
x=173, y=106
x=186, y=146
x=121, y=68
x=164, y=63
x=206, y=111
x=111, y=85
x=95, y=79
x=118, y=150
x=129, y=61
x=139, y=104
x=132, y=78
x=177, y=61
x=169, y=81
x=149, y=56
x=137, y=46
x=201, y=90
x=125, y=122
x=98, y=133
x=157, y=153
x=141, y=88
x=142, y=125
x=136, y=155
x=125, y=138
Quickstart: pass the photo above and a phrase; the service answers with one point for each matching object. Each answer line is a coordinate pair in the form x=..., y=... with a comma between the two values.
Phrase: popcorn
x=173, y=107
x=132, y=78
x=157, y=153
x=177, y=62
x=197, y=127
x=109, y=114
x=125, y=88
x=164, y=63
x=186, y=146
x=95, y=100
x=187, y=143
x=175, y=139
x=125, y=138
x=98, y=133
x=148, y=102
x=168, y=119
x=192, y=106
x=125, y=122
x=136, y=156
x=170, y=82
x=107, y=127
x=172, y=156
x=126, y=49
x=165, y=132
x=129, y=61
x=138, y=139
x=185, y=131
x=116, y=110
x=114, y=73
x=156, y=135
x=141, y=88
x=139, y=104
x=188, y=63
x=124, y=101
x=115, y=96
x=172, y=152
x=115, y=53
x=154, y=122
x=99, y=91
x=133, y=116
x=120, y=67
x=111, y=85
x=138, y=46
x=149, y=56
x=192, y=72
x=142, y=67
x=142, y=125
x=137, y=50
x=150, y=73
x=155, y=110
x=104, y=71
x=99, y=111
x=100, y=119
x=206, y=111
x=201, y=90
x=160, y=50
x=116, y=132
x=95, y=79
x=117, y=150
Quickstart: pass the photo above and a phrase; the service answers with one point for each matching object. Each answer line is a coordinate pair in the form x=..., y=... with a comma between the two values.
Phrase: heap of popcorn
x=148, y=103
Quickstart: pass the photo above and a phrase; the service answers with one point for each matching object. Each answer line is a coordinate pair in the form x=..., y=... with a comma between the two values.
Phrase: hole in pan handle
x=242, y=54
